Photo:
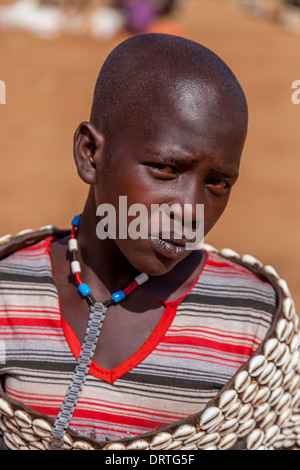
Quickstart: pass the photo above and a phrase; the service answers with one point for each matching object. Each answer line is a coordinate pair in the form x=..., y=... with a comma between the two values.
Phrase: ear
x=88, y=151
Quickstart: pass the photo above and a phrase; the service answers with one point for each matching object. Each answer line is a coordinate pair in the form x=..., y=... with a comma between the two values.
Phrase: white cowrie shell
x=210, y=417
x=183, y=431
x=227, y=399
x=271, y=348
x=249, y=259
x=41, y=427
x=82, y=445
x=282, y=354
x=114, y=446
x=228, y=253
x=245, y=413
x=160, y=439
x=174, y=445
x=271, y=434
x=283, y=329
x=246, y=427
x=228, y=426
x=6, y=408
x=24, y=232
x=284, y=402
x=296, y=400
x=257, y=364
x=49, y=227
x=233, y=411
x=195, y=438
x=267, y=374
x=255, y=439
x=29, y=437
x=269, y=420
x=10, y=423
x=278, y=443
x=5, y=238
x=242, y=381
x=262, y=395
x=139, y=444
x=18, y=439
x=23, y=418
x=250, y=392
x=295, y=418
x=296, y=358
x=276, y=395
x=228, y=441
x=208, y=440
x=9, y=442
x=270, y=270
x=288, y=307
x=284, y=418
x=294, y=384
x=209, y=248
x=295, y=343
x=284, y=287
x=277, y=380
x=261, y=411
x=287, y=379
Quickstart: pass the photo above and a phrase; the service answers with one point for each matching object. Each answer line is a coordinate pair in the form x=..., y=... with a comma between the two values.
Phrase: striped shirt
x=197, y=346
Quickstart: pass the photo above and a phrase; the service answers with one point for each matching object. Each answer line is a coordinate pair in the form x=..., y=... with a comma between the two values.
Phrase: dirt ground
x=49, y=87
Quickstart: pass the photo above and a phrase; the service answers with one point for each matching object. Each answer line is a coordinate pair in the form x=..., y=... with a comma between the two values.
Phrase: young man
x=168, y=125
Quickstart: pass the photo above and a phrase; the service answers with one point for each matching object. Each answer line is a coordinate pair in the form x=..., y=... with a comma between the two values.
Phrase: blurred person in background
x=140, y=14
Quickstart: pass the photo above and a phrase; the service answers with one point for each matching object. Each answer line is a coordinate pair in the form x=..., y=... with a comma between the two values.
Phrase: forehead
x=188, y=119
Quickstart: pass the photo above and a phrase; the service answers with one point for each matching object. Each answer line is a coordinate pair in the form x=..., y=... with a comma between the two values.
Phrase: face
x=184, y=151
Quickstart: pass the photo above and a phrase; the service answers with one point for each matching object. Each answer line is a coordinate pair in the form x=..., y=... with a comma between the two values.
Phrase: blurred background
x=50, y=55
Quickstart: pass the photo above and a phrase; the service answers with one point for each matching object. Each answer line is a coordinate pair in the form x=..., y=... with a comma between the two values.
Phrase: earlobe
x=88, y=151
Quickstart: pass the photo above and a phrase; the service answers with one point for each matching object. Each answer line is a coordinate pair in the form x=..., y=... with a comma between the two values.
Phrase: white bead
x=141, y=278
x=73, y=245
x=75, y=267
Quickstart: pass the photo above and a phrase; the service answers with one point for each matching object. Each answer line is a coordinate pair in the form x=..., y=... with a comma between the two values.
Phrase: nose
x=188, y=211
x=189, y=199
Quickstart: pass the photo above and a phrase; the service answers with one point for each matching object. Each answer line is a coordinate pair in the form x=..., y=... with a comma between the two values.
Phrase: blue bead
x=84, y=289
x=76, y=220
x=118, y=296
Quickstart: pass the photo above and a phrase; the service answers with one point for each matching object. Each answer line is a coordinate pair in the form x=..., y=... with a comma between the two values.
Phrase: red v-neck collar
x=111, y=375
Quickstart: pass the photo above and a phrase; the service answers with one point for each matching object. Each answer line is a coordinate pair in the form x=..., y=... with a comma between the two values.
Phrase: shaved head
x=151, y=70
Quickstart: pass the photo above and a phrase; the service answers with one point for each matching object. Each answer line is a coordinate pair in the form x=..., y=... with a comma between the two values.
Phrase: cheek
x=213, y=209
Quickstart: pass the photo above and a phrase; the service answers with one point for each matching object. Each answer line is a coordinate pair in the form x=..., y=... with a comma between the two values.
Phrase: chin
x=152, y=264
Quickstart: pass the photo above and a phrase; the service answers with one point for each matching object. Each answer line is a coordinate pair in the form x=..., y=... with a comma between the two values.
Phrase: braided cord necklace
x=96, y=317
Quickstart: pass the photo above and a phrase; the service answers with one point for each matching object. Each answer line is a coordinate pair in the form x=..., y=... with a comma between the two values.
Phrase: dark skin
x=174, y=152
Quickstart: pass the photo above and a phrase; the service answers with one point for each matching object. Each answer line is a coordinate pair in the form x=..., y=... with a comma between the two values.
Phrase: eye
x=218, y=187
x=162, y=170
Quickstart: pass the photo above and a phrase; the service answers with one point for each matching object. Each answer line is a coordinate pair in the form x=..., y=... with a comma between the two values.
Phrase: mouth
x=171, y=248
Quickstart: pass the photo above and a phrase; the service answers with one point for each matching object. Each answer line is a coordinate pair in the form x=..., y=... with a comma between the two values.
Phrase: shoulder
x=243, y=277
x=12, y=245
x=25, y=257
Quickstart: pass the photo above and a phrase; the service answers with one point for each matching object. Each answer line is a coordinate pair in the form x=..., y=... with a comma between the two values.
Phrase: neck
x=101, y=259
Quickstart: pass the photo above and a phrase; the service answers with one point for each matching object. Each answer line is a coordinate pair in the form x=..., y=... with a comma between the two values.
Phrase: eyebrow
x=170, y=157
x=226, y=174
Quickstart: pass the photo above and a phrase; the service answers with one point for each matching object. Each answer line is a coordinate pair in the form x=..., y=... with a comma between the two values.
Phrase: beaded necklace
x=83, y=287
x=96, y=317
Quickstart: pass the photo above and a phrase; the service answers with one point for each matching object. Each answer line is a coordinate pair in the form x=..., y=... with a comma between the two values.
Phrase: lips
x=171, y=248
